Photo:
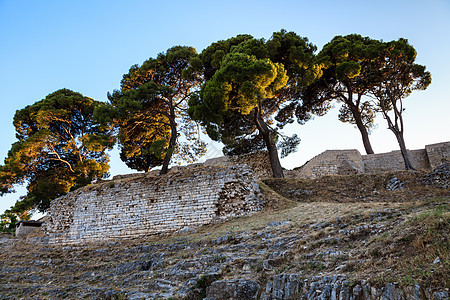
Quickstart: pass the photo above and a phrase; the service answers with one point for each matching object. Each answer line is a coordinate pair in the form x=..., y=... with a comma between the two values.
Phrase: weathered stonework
x=149, y=205
x=258, y=162
x=347, y=162
x=24, y=228
x=331, y=162
x=393, y=161
x=438, y=154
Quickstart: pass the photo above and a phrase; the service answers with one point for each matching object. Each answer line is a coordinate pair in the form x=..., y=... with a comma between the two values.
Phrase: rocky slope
x=338, y=237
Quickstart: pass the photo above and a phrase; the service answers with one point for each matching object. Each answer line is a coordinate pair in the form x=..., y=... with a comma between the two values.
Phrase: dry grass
x=413, y=232
x=410, y=250
x=357, y=188
x=298, y=215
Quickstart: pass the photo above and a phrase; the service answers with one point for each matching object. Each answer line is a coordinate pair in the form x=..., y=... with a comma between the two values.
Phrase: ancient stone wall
x=346, y=162
x=24, y=230
x=392, y=161
x=438, y=154
x=149, y=205
x=332, y=162
x=258, y=162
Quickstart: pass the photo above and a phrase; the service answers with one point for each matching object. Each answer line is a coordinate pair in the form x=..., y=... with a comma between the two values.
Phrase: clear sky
x=87, y=46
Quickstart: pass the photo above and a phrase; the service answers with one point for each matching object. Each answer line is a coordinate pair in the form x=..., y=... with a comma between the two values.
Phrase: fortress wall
x=259, y=162
x=438, y=154
x=333, y=162
x=22, y=230
x=148, y=204
x=346, y=162
x=144, y=205
x=393, y=161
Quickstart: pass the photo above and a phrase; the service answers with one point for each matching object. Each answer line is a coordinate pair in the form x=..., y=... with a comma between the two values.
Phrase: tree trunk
x=172, y=144
x=363, y=130
x=397, y=129
x=365, y=138
x=404, y=151
x=277, y=170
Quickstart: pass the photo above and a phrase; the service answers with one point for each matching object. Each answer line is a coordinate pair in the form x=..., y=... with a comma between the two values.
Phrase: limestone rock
x=236, y=289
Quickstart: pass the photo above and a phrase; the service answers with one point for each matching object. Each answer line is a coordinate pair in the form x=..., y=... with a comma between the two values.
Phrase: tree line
x=241, y=91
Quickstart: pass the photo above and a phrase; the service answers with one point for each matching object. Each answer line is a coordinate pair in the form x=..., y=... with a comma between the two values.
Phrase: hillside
x=347, y=237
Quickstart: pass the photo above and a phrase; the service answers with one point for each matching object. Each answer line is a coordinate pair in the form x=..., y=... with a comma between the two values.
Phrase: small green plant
x=120, y=297
x=314, y=265
x=408, y=280
x=203, y=282
x=219, y=258
x=111, y=184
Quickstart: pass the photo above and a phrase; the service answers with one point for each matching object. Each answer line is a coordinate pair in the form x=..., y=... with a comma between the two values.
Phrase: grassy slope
x=333, y=225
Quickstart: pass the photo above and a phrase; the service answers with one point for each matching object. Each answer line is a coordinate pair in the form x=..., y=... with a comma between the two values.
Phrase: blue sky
x=87, y=46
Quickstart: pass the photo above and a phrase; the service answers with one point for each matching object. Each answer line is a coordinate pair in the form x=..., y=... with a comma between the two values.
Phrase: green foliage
x=59, y=149
x=347, y=64
x=247, y=81
x=240, y=84
x=149, y=111
x=396, y=76
x=356, y=70
x=348, y=70
x=367, y=114
x=8, y=221
x=203, y=282
x=208, y=62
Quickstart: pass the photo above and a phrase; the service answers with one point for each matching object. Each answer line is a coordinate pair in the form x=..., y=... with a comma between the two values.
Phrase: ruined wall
x=332, y=162
x=438, y=154
x=384, y=162
x=346, y=162
x=23, y=230
x=152, y=205
x=259, y=162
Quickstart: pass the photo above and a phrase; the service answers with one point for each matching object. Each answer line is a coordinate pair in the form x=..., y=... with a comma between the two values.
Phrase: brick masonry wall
x=148, y=205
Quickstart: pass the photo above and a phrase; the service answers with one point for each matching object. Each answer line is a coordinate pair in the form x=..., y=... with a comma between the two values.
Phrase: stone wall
x=259, y=162
x=385, y=162
x=150, y=205
x=23, y=230
x=331, y=162
x=346, y=162
x=438, y=154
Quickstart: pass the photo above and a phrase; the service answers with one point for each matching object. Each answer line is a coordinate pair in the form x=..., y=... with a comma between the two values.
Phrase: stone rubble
x=439, y=177
x=394, y=184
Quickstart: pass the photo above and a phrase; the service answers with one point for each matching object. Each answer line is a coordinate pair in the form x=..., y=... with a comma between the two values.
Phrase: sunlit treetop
x=247, y=81
x=59, y=148
x=149, y=111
